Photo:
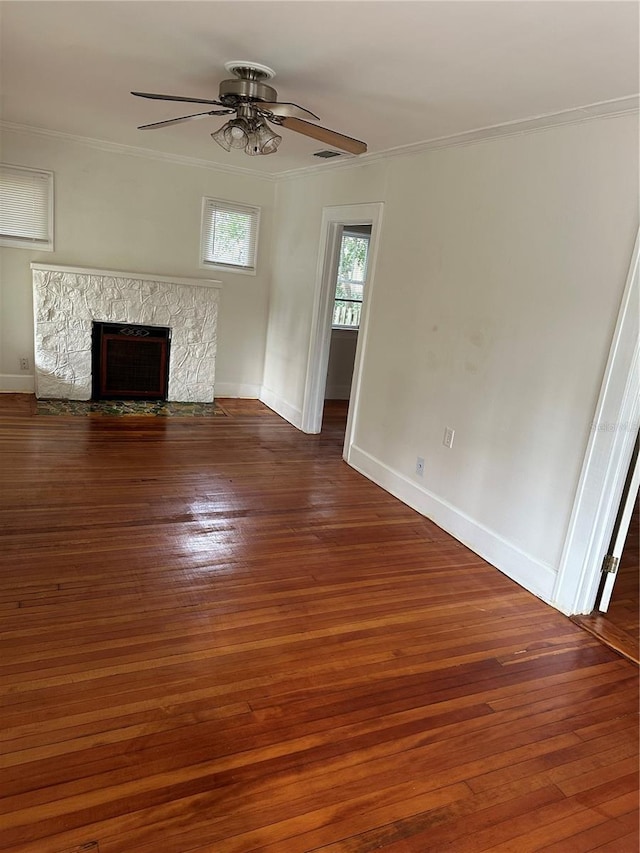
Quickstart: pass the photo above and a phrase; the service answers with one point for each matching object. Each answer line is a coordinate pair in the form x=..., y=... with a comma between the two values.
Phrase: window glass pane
x=353, y=258
x=352, y=272
x=231, y=237
x=229, y=234
x=349, y=290
x=346, y=313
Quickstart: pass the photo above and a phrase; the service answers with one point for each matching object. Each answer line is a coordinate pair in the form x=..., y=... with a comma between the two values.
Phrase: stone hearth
x=66, y=301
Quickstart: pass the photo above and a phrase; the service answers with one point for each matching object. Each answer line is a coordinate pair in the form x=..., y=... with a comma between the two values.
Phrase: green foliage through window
x=352, y=272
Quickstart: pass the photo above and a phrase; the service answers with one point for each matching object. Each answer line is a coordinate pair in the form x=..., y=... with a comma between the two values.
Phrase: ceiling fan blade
x=183, y=118
x=323, y=134
x=175, y=98
x=286, y=109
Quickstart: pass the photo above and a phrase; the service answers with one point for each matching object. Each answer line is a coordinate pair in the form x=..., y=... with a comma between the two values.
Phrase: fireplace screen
x=130, y=362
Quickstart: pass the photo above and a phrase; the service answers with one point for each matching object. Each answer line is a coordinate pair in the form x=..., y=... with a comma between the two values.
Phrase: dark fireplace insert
x=130, y=362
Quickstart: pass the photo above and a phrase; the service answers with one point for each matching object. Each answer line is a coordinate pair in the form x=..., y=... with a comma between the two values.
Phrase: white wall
x=299, y=204
x=342, y=354
x=123, y=212
x=500, y=271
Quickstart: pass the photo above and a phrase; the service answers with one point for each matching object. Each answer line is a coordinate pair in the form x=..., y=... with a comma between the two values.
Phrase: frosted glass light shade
x=220, y=138
x=234, y=134
x=255, y=137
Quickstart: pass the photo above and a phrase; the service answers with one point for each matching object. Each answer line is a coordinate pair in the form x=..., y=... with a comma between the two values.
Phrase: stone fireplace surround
x=66, y=301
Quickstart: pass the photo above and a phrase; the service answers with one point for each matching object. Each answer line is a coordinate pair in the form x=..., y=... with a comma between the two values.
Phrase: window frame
x=15, y=242
x=204, y=237
x=346, y=232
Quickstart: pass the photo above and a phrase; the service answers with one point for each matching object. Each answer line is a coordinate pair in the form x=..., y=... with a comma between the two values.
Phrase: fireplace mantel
x=66, y=301
x=137, y=276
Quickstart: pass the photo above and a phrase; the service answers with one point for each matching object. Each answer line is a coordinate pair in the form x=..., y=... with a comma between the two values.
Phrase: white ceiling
x=390, y=73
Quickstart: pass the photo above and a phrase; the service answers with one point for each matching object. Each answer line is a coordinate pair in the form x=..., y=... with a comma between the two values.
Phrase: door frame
x=619, y=538
x=606, y=462
x=334, y=218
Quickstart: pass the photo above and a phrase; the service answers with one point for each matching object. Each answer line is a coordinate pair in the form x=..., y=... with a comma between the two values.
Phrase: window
x=26, y=208
x=352, y=272
x=229, y=235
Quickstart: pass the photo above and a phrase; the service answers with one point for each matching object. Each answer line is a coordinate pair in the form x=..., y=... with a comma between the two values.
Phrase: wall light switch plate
x=448, y=437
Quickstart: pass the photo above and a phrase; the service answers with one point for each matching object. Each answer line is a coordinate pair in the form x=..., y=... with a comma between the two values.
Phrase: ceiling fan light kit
x=255, y=103
x=252, y=135
x=265, y=140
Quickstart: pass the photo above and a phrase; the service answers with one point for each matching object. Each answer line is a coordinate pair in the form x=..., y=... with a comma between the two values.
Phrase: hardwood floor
x=219, y=638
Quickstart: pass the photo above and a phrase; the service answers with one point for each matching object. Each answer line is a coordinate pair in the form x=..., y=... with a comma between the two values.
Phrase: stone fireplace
x=67, y=301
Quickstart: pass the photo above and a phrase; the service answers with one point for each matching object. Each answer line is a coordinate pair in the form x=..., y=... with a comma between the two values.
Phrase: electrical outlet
x=448, y=437
x=419, y=466
x=24, y=364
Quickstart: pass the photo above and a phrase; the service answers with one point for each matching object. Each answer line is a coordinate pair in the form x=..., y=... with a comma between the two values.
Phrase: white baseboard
x=15, y=383
x=281, y=407
x=535, y=576
x=236, y=389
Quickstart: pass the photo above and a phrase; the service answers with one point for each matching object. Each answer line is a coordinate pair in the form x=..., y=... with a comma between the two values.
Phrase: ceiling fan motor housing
x=248, y=85
x=232, y=91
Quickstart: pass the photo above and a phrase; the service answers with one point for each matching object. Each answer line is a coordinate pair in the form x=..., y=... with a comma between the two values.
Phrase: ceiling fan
x=255, y=103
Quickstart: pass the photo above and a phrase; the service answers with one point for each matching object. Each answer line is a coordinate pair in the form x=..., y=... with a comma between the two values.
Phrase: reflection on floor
x=619, y=627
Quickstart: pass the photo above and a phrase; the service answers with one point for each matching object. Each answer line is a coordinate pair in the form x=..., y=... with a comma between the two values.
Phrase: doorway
x=349, y=281
x=616, y=616
x=336, y=222
x=606, y=463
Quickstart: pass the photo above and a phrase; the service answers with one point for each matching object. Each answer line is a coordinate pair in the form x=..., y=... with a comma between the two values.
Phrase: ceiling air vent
x=326, y=155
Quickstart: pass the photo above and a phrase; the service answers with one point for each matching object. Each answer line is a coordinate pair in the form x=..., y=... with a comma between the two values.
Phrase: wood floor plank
x=218, y=638
x=449, y=825
x=610, y=832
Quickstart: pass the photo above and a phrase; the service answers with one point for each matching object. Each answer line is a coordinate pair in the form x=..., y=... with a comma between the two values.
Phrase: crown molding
x=577, y=115
x=134, y=151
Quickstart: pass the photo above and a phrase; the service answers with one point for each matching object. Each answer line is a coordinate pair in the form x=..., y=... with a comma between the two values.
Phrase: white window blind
x=26, y=207
x=229, y=235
